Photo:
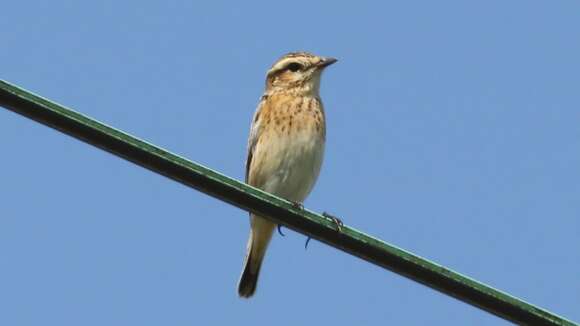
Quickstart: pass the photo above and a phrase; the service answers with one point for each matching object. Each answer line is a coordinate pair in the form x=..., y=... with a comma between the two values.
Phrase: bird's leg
x=335, y=219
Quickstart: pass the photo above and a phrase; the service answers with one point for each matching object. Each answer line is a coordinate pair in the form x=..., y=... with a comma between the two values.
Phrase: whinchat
x=285, y=147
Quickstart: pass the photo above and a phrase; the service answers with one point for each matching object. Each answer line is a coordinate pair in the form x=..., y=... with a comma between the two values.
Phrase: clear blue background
x=453, y=132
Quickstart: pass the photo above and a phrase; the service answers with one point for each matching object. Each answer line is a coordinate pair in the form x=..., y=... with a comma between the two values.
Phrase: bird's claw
x=336, y=221
x=297, y=205
x=280, y=230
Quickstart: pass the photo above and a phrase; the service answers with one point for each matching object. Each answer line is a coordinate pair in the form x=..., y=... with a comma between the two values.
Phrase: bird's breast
x=292, y=148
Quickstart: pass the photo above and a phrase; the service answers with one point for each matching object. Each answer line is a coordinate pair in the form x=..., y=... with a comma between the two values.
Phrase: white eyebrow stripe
x=282, y=63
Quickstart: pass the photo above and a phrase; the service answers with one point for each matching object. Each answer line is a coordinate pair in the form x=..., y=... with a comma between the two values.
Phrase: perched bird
x=285, y=147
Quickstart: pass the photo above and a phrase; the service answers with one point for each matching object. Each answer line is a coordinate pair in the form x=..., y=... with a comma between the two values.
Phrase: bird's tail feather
x=260, y=236
x=249, y=278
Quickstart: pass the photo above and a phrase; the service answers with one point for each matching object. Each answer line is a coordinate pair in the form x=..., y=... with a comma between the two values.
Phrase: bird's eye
x=294, y=66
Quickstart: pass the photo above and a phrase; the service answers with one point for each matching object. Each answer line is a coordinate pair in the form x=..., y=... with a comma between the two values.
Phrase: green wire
x=278, y=210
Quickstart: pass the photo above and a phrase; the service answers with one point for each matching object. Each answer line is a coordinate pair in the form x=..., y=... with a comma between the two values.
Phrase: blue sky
x=452, y=132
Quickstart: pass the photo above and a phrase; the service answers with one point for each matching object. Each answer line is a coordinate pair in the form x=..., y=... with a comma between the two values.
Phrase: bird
x=285, y=147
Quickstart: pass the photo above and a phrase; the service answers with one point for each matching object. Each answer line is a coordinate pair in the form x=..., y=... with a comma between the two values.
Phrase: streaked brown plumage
x=285, y=147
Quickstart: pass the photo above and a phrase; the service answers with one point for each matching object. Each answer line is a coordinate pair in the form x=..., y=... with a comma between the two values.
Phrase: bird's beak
x=326, y=62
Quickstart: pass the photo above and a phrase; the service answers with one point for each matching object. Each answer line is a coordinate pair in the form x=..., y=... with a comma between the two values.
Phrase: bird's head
x=297, y=73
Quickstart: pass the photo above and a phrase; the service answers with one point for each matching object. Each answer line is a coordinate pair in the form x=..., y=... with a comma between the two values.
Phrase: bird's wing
x=254, y=136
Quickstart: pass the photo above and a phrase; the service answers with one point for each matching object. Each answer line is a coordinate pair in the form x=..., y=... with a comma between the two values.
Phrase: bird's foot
x=297, y=205
x=336, y=221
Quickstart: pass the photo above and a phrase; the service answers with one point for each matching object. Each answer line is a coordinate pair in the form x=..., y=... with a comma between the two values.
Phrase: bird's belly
x=296, y=165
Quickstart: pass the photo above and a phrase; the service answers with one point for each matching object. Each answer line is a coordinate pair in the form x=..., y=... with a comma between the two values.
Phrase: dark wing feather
x=253, y=139
x=249, y=161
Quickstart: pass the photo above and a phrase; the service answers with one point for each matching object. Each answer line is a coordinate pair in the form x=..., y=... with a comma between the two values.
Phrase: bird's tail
x=249, y=278
x=260, y=235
